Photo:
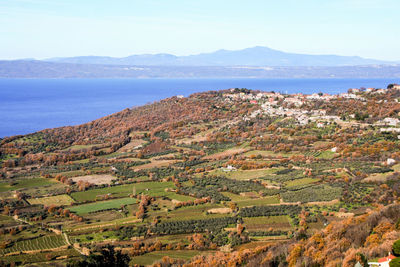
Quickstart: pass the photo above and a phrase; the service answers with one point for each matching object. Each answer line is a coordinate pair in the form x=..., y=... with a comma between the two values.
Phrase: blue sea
x=29, y=105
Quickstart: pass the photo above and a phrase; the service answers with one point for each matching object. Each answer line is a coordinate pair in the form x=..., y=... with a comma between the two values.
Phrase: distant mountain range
x=42, y=69
x=255, y=56
x=256, y=62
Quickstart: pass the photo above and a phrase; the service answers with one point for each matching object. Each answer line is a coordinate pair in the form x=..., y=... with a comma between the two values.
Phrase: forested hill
x=177, y=116
x=222, y=178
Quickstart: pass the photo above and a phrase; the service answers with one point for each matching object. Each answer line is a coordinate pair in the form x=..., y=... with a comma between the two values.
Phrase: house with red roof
x=382, y=262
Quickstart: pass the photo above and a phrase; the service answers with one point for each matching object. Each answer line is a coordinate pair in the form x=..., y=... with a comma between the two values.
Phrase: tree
x=362, y=259
x=396, y=248
x=239, y=228
x=108, y=257
x=395, y=262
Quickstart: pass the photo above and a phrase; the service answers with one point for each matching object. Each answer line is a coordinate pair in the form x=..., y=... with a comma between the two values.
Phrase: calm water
x=29, y=105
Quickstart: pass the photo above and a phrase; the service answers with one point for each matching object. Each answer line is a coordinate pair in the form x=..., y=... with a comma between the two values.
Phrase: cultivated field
x=194, y=212
x=26, y=183
x=42, y=258
x=95, y=179
x=244, y=201
x=40, y=243
x=154, y=164
x=132, y=145
x=158, y=185
x=267, y=223
x=102, y=205
x=302, y=181
x=224, y=154
x=150, y=188
x=245, y=175
x=59, y=200
x=153, y=257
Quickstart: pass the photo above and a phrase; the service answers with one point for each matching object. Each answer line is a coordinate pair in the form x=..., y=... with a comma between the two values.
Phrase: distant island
x=256, y=62
x=42, y=69
x=255, y=56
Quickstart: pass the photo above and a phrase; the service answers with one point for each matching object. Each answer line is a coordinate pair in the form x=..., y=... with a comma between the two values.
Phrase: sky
x=60, y=28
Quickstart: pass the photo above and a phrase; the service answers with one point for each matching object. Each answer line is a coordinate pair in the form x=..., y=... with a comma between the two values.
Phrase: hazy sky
x=51, y=28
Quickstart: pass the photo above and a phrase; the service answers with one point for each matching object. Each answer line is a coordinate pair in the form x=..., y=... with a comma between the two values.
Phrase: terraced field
x=150, y=258
x=244, y=201
x=245, y=175
x=265, y=223
x=149, y=188
x=283, y=186
x=302, y=181
x=40, y=243
x=27, y=183
x=193, y=212
x=40, y=257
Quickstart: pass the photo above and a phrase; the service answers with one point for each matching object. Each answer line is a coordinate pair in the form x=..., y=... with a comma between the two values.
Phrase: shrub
x=396, y=248
x=395, y=262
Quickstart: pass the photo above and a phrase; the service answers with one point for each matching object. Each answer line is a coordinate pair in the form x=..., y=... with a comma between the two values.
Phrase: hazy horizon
x=200, y=53
x=43, y=29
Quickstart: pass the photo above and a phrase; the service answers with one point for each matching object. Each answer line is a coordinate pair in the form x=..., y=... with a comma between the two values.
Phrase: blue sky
x=51, y=28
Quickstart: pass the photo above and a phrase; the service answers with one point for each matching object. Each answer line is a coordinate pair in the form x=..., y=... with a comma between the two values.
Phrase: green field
x=152, y=257
x=102, y=205
x=78, y=147
x=104, y=216
x=40, y=243
x=7, y=221
x=26, y=183
x=245, y=175
x=173, y=195
x=70, y=174
x=96, y=236
x=326, y=155
x=266, y=220
x=265, y=153
x=60, y=200
x=102, y=224
x=258, y=201
x=243, y=201
x=236, y=197
x=302, y=181
x=5, y=218
x=264, y=223
x=171, y=239
x=313, y=193
x=154, y=189
x=193, y=212
x=40, y=257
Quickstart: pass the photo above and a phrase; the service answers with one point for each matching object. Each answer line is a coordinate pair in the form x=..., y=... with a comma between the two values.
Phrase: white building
x=382, y=262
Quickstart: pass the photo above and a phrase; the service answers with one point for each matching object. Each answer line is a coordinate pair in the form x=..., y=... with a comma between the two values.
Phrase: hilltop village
x=235, y=177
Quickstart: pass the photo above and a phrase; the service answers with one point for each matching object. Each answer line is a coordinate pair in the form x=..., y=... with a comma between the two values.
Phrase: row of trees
x=277, y=210
x=192, y=226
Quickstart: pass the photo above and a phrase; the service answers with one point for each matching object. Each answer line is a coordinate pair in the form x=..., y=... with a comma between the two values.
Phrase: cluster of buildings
x=244, y=96
x=277, y=104
x=299, y=99
x=302, y=116
x=296, y=99
x=389, y=122
x=382, y=262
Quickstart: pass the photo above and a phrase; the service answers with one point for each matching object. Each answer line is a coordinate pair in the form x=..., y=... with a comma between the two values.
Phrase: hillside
x=235, y=177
